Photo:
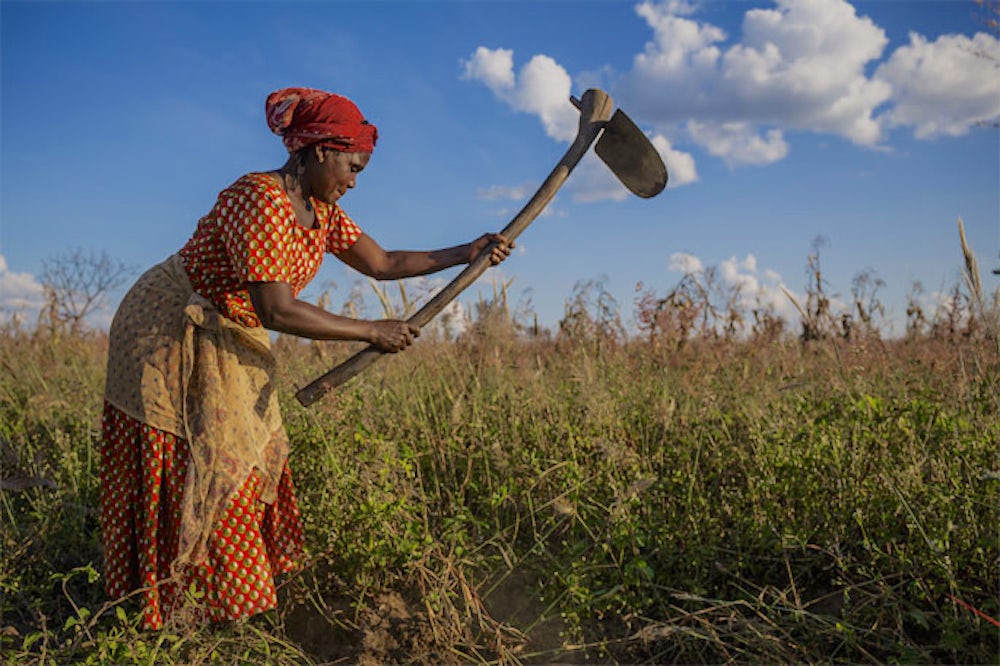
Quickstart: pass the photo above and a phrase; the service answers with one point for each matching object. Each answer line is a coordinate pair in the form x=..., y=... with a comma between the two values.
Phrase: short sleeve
x=343, y=232
x=256, y=232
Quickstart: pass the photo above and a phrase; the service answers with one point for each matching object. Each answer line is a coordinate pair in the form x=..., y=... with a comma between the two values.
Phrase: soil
x=394, y=628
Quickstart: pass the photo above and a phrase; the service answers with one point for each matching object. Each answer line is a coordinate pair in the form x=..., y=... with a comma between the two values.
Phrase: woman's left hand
x=500, y=251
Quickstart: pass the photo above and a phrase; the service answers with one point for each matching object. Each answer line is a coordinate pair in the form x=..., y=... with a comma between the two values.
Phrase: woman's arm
x=367, y=257
x=279, y=310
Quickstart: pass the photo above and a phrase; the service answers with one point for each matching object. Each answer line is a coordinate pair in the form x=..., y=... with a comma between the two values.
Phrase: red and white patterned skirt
x=143, y=472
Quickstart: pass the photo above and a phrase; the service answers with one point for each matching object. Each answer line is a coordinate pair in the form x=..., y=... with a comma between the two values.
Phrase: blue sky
x=780, y=122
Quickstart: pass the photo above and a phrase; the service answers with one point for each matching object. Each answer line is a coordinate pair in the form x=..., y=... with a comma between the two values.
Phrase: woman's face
x=333, y=172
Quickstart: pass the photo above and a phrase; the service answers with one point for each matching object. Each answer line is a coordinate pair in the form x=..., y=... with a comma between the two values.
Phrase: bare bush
x=862, y=320
x=817, y=318
x=705, y=307
x=917, y=324
x=674, y=317
x=77, y=284
x=592, y=313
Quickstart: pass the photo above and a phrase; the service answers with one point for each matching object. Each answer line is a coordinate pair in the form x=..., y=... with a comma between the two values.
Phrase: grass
x=582, y=496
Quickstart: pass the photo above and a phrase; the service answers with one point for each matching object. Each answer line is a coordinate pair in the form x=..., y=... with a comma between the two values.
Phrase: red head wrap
x=304, y=116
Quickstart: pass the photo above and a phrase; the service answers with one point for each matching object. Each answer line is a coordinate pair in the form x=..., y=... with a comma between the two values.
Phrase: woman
x=196, y=491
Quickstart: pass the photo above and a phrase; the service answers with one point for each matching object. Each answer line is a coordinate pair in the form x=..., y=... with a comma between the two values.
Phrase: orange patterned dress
x=149, y=454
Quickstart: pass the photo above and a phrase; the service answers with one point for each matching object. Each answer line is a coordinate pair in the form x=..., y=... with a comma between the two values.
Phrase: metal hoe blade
x=631, y=157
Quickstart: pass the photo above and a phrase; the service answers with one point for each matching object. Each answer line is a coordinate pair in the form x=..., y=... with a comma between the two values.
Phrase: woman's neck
x=294, y=187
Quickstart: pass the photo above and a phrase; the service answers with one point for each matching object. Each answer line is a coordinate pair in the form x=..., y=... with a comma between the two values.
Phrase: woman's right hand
x=393, y=335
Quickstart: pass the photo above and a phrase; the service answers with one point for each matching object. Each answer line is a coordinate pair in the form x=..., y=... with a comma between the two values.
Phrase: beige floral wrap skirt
x=176, y=364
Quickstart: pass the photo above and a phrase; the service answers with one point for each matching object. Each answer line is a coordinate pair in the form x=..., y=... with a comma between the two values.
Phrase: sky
x=866, y=125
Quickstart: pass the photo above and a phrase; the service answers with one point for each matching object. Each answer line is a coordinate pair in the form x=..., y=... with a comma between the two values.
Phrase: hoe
x=622, y=146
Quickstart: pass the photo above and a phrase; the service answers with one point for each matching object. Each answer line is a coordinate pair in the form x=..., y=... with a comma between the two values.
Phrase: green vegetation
x=685, y=496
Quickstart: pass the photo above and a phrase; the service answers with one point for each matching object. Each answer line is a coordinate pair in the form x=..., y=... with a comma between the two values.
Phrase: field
x=683, y=495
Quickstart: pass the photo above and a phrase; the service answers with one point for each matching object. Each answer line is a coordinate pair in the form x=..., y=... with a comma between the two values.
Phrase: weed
x=713, y=490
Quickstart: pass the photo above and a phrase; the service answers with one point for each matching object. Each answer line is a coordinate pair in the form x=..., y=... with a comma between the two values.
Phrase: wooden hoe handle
x=595, y=110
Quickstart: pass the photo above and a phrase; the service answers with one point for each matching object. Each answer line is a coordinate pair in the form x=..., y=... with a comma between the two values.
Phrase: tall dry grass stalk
x=972, y=277
x=987, y=316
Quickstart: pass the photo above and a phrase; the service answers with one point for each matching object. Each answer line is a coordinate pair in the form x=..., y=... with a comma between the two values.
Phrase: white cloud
x=454, y=320
x=494, y=67
x=753, y=287
x=510, y=192
x=680, y=165
x=945, y=86
x=801, y=65
x=542, y=88
x=795, y=66
x=21, y=295
x=518, y=193
x=682, y=262
x=738, y=143
x=679, y=45
x=550, y=211
x=592, y=180
x=798, y=66
x=757, y=288
x=733, y=266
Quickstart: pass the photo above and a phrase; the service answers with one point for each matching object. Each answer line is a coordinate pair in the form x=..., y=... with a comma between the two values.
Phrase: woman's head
x=328, y=139
x=304, y=117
